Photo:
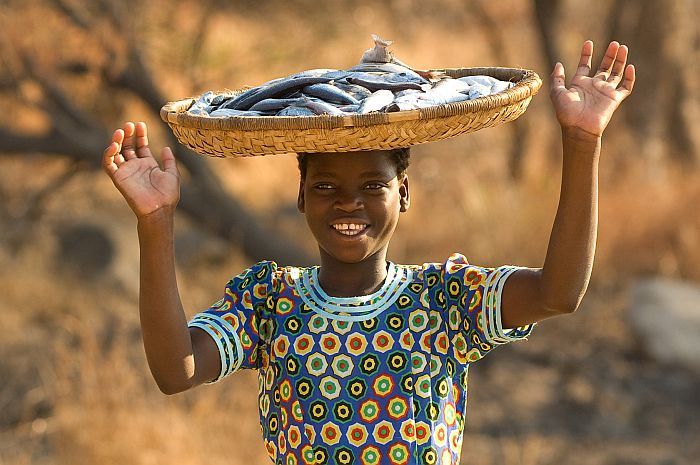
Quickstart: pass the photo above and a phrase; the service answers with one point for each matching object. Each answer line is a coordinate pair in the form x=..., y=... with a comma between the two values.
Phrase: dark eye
x=323, y=186
x=374, y=185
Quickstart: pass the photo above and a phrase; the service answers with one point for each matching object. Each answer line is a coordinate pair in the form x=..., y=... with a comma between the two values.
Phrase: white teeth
x=349, y=229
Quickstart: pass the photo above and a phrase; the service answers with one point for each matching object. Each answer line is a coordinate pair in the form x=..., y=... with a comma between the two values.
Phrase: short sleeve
x=235, y=321
x=473, y=305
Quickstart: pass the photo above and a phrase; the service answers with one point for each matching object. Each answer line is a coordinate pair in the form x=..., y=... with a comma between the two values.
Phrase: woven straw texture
x=266, y=135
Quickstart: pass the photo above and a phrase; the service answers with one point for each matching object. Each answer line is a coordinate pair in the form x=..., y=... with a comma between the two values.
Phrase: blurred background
x=615, y=383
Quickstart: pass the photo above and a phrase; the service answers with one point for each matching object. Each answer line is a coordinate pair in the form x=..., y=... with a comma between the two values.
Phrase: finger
x=113, y=149
x=628, y=82
x=619, y=65
x=119, y=159
x=108, y=157
x=169, y=164
x=584, y=63
x=128, y=144
x=608, y=60
x=141, y=132
x=558, y=79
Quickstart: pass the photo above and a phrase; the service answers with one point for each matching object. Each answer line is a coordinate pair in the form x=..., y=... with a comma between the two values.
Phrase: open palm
x=589, y=102
x=136, y=173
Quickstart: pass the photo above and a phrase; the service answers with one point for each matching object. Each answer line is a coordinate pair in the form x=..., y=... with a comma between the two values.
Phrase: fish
x=275, y=90
x=442, y=97
x=316, y=72
x=401, y=93
x=388, y=68
x=405, y=105
x=379, y=53
x=320, y=107
x=227, y=112
x=486, y=81
x=355, y=90
x=377, y=101
x=198, y=112
x=477, y=90
x=199, y=107
x=273, y=104
x=450, y=84
x=330, y=93
x=390, y=81
x=294, y=110
x=500, y=86
x=219, y=99
x=431, y=98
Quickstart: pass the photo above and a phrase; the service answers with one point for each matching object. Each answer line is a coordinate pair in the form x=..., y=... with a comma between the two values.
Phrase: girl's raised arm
x=178, y=360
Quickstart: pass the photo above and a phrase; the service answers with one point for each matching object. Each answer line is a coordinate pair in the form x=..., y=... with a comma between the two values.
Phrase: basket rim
x=527, y=84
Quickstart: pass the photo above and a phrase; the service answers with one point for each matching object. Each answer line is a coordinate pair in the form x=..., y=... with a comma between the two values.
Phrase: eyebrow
x=366, y=174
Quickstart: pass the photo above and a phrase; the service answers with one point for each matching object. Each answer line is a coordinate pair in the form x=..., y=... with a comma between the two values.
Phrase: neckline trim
x=357, y=308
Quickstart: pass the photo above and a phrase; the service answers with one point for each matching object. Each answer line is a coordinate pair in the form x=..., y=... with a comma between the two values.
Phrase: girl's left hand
x=589, y=102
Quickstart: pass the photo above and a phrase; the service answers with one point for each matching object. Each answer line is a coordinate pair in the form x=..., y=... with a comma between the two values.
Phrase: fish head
x=378, y=54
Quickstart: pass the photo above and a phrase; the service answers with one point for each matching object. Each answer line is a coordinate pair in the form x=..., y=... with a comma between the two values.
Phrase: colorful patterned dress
x=377, y=379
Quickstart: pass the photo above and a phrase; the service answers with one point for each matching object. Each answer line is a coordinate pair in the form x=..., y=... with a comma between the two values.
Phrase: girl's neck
x=340, y=279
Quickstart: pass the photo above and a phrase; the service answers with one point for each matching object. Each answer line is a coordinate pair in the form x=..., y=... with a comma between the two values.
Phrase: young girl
x=362, y=360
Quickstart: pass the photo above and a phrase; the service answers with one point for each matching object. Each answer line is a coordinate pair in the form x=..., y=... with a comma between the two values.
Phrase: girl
x=361, y=359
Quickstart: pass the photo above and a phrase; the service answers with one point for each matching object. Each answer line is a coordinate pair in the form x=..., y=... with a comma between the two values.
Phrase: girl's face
x=352, y=202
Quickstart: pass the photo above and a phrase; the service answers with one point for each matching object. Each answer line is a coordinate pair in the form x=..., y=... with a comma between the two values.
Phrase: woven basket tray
x=264, y=135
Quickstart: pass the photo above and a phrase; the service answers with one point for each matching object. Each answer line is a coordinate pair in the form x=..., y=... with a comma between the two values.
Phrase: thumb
x=169, y=164
x=558, y=79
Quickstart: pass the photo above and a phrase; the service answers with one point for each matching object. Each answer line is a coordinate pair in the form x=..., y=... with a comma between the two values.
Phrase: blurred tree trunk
x=76, y=134
x=664, y=40
x=496, y=37
x=546, y=13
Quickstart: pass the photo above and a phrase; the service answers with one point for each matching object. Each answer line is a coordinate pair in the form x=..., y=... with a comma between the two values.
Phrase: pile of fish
x=379, y=83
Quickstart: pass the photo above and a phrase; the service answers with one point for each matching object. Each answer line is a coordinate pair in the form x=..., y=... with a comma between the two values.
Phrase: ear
x=300, y=198
x=405, y=200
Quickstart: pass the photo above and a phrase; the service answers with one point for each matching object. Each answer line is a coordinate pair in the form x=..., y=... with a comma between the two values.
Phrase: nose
x=348, y=202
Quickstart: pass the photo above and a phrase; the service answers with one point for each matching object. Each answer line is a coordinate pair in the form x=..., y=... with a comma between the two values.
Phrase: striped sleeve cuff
x=491, y=309
x=226, y=339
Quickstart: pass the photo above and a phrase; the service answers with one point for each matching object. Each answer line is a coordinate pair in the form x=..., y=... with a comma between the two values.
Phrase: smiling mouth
x=350, y=229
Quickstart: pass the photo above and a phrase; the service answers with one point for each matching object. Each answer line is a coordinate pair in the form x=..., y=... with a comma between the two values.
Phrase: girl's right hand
x=129, y=163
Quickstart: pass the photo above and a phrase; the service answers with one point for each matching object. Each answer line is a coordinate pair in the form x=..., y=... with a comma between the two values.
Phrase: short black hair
x=402, y=158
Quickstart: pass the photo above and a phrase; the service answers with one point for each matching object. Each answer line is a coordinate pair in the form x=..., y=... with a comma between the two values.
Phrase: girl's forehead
x=371, y=160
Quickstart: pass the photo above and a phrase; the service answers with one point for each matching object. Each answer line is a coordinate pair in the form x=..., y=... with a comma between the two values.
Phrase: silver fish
x=356, y=91
x=500, y=86
x=449, y=84
x=388, y=68
x=198, y=111
x=377, y=101
x=320, y=107
x=350, y=108
x=442, y=97
x=227, y=112
x=401, y=93
x=477, y=90
x=273, y=104
x=219, y=99
x=330, y=93
x=390, y=81
x=200, y=106
x=486, y=81
x=279, y=88
x=379, y=53
x=426, y=99
x=315, y=72
x=404, y=105
x=294, y=110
